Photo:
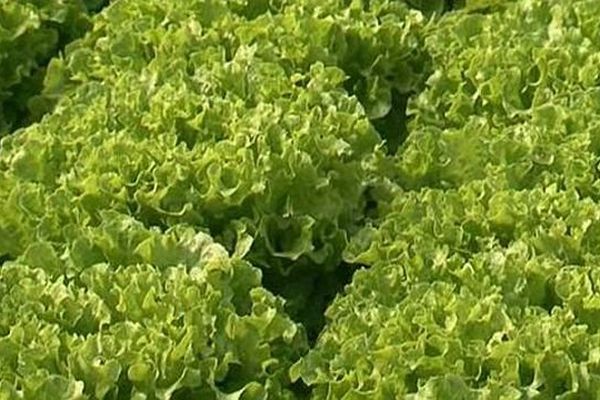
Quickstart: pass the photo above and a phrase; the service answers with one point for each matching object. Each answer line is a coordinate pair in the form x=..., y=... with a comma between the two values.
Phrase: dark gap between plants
x=5, y=258
x=392, y=127
x=308, y=293
x=95, y=6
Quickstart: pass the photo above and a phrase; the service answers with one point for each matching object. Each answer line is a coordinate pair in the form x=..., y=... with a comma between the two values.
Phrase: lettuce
x=196, y=113
x=195, y=322
x=477, y=292
x=513, y=97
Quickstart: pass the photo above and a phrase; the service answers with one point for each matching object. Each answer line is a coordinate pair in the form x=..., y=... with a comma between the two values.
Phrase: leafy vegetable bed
x=300, y=199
